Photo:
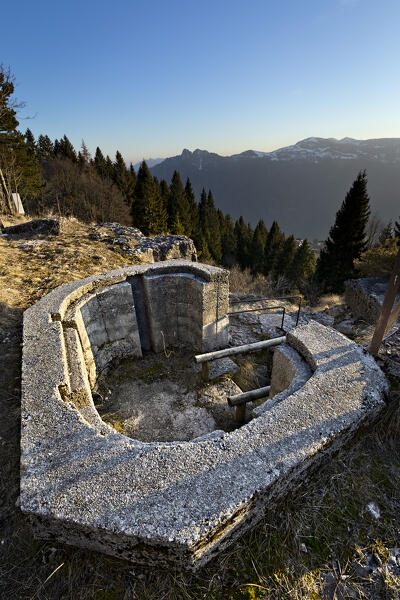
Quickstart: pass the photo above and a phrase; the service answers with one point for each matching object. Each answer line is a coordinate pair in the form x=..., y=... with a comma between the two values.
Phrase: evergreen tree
x=30, y=143
x=123, y=178
x=192, y=207
x=148, y=210
x=397, y=229
x=44, y=148
x=243, y=241
x=346, y=239
x=164, y=194
x=303, y=265
x=386, y=234
x=178, y=207
x=19, y=169
x=228, y=242
x=100, y=163
x=273, y=247
x=257, y=247
x=285, y=262
x=64, y=149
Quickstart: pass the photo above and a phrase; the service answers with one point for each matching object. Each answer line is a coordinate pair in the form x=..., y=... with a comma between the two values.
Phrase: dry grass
x=327, y=516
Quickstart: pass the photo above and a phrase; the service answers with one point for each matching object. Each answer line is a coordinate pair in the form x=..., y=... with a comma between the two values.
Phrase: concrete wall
x=175, y=503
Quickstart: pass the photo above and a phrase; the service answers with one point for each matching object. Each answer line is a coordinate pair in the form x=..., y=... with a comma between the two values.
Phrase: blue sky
x=152, y=78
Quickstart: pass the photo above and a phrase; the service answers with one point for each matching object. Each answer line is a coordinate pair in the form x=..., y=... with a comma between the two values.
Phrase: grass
x=327, y=516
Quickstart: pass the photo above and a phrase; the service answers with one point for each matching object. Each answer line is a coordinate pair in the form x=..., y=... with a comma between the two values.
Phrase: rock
x=373, y=509
x=324, y=319
x=35, y=227
x=346, y=327
x=222, y=366
x=133, y=243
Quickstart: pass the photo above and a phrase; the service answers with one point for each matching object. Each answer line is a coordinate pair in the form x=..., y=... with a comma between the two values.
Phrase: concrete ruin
x=365, y=297
x=171, y=503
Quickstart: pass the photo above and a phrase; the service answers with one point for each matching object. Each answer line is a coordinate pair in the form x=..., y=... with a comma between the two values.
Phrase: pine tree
x=397, y=229
x=64, y=149
x=178, y=207
x=44, y=148
x=100, y=163
x=257, y=247
x=243, y=243
x=346, y=239
x=273, y=247
x=228, y=242
x=303, y=265
x=19, y=169
x=123, y=179
x=386, y=234
x=192, y=207
x=148, y=210
x=30, y=143
x=284, y=265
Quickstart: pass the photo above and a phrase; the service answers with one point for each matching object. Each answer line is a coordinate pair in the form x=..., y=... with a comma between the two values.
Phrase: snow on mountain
x=150, y=162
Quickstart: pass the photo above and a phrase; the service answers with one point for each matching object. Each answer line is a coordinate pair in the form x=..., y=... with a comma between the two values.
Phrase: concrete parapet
x=174, y=503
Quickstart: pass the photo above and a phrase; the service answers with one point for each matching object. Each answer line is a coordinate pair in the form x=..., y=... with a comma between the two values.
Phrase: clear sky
x=153, y=77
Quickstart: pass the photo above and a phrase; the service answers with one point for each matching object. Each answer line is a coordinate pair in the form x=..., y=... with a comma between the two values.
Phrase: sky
x=151, y=78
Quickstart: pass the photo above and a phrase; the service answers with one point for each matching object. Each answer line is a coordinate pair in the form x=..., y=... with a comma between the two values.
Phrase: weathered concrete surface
x=132, y=242
x=175, y=503
x=289, y=373
x=365, y=297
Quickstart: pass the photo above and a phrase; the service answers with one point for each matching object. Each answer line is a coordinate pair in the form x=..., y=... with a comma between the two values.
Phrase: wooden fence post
x=387, y=317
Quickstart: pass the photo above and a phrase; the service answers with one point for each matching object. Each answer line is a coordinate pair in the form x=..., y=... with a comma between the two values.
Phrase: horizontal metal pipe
x=239, y=399
x=200, y=358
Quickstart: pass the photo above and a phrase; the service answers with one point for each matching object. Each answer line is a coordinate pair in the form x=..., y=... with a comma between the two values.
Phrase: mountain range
x=300, y=186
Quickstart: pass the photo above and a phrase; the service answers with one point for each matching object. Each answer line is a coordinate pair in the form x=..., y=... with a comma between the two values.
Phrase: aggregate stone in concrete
x=176, y=503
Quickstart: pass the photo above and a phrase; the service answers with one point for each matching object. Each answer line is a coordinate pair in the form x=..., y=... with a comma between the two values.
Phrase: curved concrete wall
x=169, y=503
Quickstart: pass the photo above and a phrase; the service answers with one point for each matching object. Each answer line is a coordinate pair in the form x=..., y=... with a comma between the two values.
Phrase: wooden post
x=387, y=318
x=205, y=371
x=240, y=414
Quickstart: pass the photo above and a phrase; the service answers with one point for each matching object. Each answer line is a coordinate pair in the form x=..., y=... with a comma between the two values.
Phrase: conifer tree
x=30, y=143
x=397, y=229
x=123, y=179
x=257, y=248
x=273, y=247
x=144, y=197
x=228, y=242
x=164, y=194
x=243, y=242
x=346, y=239
x=285, y=261
x=178, y=207
x=192, y=207
x=44, y=148
x=100, y=163
x=19, y=169
x=63, y=148
x=303, y=265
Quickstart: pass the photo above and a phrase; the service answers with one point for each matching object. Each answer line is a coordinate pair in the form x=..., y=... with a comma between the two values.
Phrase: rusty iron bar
x=262, y=298
x=239, y=312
